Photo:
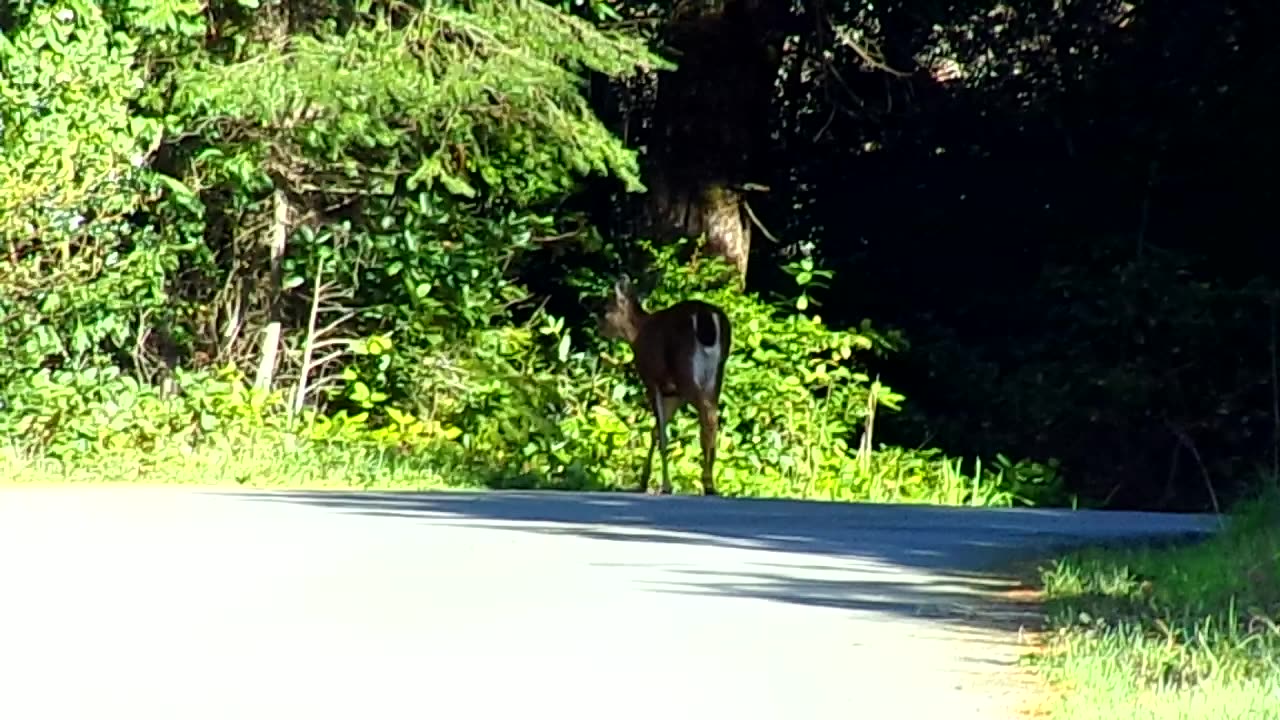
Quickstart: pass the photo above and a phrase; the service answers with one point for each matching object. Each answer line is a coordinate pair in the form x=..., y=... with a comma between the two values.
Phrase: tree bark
x=711, y=122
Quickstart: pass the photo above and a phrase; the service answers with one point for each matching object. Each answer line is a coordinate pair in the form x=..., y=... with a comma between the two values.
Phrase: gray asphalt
x=180, y=604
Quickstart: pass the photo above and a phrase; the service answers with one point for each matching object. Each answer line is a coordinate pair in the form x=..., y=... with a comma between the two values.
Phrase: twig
x=823, y=130
x=1107, y=500
x=308, y=344
x=327, y=358
x=1185, y=440
x=329, y=343
x=751, y=214
x=865, y=54
x=1275, y=400
x=334, y=325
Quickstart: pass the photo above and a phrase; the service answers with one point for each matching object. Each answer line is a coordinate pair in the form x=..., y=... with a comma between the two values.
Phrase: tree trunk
x=711, y=122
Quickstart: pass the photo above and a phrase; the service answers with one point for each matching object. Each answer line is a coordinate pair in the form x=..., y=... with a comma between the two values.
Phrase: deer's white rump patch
x=706, y=358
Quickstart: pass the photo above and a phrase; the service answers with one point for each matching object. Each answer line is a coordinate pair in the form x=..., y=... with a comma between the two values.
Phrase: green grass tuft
x=264, y=465
x=1185, y=632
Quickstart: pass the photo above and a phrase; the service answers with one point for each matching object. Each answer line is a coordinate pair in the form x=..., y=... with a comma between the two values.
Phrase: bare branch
x=334, y=325
x=326, y=359
x=865, y=53
x=330, y=342
x=1187, y=443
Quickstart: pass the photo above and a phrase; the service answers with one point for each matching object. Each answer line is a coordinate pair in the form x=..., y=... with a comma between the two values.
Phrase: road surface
x=146, y=603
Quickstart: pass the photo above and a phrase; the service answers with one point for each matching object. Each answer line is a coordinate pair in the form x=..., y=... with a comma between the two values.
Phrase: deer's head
x=622, y=312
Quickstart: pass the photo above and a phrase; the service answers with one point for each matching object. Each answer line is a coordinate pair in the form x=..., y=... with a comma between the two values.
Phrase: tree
x=714, y=130
x=711, y=121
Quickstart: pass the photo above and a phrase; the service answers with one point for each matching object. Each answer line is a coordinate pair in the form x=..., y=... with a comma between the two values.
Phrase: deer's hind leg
x=648, y=462
x=664, y=406
x=708, y=426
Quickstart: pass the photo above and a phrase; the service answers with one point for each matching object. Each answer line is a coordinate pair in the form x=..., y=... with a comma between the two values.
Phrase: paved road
x=145, y=603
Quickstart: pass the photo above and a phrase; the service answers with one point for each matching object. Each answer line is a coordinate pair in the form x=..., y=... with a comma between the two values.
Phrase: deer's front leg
x=658, y=437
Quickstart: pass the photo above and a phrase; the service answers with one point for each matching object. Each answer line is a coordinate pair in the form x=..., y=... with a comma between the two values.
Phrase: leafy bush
x=68, y=415
x=97, y=417
x=71, y=141
x=381, y=224
x=80, y=283
x=540, y=404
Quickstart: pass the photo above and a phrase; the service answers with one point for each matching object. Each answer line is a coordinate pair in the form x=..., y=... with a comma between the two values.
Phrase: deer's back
x=688, y=321
x=672, y=338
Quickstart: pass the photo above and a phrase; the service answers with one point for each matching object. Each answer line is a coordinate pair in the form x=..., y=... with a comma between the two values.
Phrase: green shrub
x=140, y=276
x=541, y=404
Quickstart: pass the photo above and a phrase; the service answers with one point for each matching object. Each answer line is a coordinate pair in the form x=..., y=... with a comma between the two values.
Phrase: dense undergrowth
x=1184, y=631
x=533, y=405
x=214, y=275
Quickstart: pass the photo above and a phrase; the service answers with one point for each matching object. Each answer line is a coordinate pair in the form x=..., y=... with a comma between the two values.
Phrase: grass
x=1175, y=632
x=271, y=459
x=246, y=465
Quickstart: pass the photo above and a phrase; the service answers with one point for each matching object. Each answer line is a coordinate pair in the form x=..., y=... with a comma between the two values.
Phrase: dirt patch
x=1027, y=596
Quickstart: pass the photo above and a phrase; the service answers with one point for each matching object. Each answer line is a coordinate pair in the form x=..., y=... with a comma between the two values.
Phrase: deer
x=680, y=353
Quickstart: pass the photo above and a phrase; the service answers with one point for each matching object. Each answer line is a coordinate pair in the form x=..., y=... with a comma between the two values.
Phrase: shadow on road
x=852, y=556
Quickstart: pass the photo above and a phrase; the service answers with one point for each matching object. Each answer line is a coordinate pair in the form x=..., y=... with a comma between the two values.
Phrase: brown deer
x=680, y=354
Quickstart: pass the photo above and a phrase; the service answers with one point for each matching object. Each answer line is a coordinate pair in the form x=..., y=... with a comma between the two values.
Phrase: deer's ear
x=622, y=288
x=648, y=282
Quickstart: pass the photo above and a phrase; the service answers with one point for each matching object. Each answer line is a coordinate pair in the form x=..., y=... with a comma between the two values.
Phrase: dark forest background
x=1048, y=228
x=1063, y=206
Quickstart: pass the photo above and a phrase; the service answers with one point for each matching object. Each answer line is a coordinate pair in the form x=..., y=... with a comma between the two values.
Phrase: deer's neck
x=635, y=324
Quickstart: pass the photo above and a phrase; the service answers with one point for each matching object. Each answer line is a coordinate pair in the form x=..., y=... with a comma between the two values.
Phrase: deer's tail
x=706, y=327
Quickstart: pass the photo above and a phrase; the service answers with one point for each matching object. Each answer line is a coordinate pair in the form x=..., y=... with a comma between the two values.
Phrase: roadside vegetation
x=287, y=244
x=1179, y=632
x=290, y=242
